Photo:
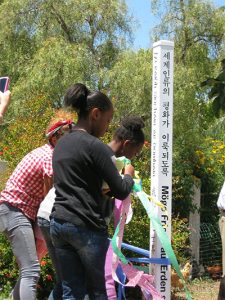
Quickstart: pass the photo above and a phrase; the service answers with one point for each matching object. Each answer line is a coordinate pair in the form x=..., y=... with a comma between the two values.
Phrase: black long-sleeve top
x=80, y=164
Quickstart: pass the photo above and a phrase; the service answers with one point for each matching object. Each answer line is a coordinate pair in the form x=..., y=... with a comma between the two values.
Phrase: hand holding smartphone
x=4, y=84
x=4, y=96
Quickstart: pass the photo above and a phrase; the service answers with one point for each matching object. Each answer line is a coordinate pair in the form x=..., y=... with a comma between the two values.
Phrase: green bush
x=46, y=280
x=8, y=268
x=27, y=131
x=180, y=239
x=9, y=272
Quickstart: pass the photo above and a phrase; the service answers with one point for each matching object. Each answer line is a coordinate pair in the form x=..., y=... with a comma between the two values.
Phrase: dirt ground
x=200, y=289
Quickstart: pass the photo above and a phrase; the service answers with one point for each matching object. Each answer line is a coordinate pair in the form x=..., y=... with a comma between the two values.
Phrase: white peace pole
x=161, y=155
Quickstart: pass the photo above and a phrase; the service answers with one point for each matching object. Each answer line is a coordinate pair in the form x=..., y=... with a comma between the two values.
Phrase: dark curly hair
x=131, y=129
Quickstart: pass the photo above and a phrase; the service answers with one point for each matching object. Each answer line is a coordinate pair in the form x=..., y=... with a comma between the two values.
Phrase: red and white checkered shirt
x=25, y=187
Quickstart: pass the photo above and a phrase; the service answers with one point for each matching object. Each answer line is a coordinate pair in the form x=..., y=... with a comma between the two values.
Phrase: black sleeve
x=120, y=187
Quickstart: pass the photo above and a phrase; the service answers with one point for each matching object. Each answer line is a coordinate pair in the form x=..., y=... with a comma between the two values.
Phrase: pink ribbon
x=134, y=276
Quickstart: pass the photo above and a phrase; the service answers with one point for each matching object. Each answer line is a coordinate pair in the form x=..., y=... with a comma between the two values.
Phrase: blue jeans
x=44, y=225
x=18, y=228
x=81, y=253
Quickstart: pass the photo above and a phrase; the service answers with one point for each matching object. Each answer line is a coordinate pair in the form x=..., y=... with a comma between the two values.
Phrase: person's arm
x=119, y=187
x=4, y=103
x=221, y=198
x=48, y=184
x=47, y=174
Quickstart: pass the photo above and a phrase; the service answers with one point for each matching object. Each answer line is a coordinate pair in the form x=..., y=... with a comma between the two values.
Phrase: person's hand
x=5, y=98
x=4, y=103
x=129, y=169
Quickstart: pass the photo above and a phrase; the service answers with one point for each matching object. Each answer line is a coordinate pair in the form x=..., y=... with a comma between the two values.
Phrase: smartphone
x=4, y=84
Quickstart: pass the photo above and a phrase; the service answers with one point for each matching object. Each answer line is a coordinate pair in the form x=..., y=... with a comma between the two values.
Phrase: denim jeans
x=81, y=253
x=44, y=225
x=18, y=228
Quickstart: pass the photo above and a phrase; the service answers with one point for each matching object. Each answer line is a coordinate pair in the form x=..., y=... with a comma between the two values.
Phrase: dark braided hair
x=82, y=100
x=131, y=129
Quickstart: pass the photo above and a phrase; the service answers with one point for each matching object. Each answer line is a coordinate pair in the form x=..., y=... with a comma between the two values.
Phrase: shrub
x=46, y=280
x=9, y=272
x=180, y=239
x=8, y=268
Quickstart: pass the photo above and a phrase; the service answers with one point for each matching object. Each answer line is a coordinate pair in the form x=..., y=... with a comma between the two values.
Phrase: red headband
x=55, y=127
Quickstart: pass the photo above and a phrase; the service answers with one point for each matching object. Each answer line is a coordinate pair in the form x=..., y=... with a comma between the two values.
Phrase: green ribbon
x=116, y=250
x=137, y=185
x=163, y=237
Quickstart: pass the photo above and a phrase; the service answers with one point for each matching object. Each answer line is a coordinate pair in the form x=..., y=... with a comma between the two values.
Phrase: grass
x=200, y=289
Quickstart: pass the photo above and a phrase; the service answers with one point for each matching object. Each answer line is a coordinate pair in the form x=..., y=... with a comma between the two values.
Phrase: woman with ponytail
x=81, y=162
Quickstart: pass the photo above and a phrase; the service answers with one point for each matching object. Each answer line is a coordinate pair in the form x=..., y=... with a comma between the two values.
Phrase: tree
x=217, y=91
x=130, y=84
x=53, y=43
x=197, y=28
x=191, y=24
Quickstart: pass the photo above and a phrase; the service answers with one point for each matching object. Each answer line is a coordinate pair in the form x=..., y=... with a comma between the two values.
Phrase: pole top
x=163, y=43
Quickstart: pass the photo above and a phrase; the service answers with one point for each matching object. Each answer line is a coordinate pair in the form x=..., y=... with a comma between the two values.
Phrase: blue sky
x=141, y=10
